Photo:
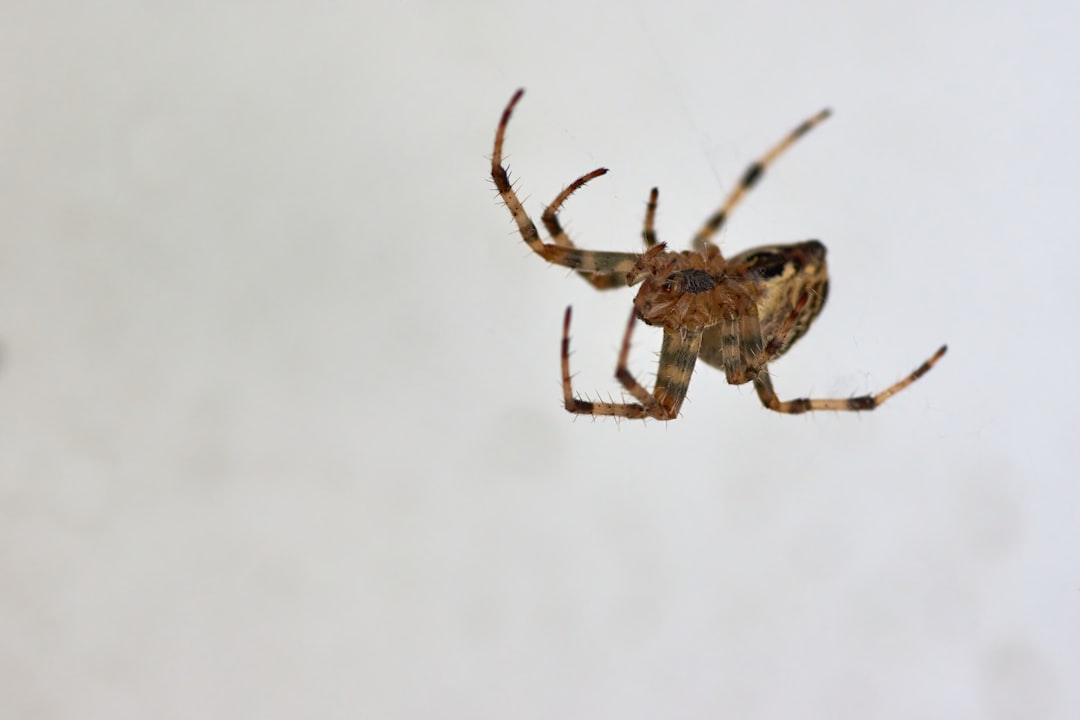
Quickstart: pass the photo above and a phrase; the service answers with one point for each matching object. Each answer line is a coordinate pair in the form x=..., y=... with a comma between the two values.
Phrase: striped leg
x=605, y=268
x=677, y=357
x=750, y=178
x=763, y=385
x=752, y=356
x=550, y=218
x=678, y=354
x=648, y=234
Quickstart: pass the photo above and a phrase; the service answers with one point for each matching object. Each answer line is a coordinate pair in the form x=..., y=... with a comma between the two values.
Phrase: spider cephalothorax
x=736, y=314
x=687, y=289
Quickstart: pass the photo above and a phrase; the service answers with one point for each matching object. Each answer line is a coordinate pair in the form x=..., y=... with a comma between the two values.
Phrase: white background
x=280, y=422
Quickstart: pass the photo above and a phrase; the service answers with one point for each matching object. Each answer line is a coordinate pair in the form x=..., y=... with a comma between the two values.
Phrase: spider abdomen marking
x=783, y=274
x=736, y=315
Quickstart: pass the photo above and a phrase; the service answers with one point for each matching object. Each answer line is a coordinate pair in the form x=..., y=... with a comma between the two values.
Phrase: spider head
x=677, y=289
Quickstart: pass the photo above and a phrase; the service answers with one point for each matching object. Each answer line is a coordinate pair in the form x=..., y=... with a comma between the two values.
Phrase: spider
x=735, y=314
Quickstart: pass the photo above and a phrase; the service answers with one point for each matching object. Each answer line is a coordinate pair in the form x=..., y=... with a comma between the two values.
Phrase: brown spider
x=736, y=315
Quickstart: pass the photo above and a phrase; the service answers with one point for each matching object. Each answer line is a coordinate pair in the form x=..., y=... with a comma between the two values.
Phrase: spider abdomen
x=782, y=275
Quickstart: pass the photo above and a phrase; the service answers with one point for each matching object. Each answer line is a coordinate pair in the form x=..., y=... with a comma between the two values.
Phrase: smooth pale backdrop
x=280, y=423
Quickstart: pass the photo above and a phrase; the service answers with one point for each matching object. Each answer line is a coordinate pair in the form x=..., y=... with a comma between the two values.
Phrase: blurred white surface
x=280, y=432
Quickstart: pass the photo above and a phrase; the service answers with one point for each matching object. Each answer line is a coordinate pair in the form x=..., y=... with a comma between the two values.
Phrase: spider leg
x=648, y=233
x=763, y=385
x=678, y=354
x=586, y=262
x=626, y=378
x=745, y=358
x=750, y=177
x=550, y=218
x=751, y=332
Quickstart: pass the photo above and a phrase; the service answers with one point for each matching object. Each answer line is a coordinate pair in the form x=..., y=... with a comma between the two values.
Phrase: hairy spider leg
x=764, y=387
x=750, y=177
x=678, y=354
x=648, y=233
x=611, y=265
x=550, y=218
